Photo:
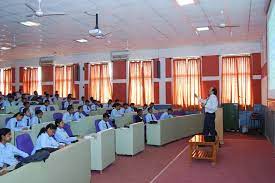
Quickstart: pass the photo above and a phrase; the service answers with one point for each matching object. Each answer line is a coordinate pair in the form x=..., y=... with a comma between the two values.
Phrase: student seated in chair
x=46, y=106
x=104, y=123
x=27, y=105
x=125, y=109
x=109, y=104
x=68, y=102
x=55, y=98
x=47, y=97
x=133, y=108
x=150, y=117
x=79, y=114
x=87, y=108
x=69, y=115
x=145, y=107
x=139, y=116
x=37, y=118
x=10, y=102
x=61, y=135
x=116, y=111
x=82, y=101
x=26, y=121
x=7, y=150
x=45, y=140
x=15, y=123
x=167, y=115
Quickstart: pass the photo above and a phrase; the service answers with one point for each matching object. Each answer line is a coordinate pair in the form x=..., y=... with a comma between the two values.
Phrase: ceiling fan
x=39, y=12
x=223, y=26
x=96, y=32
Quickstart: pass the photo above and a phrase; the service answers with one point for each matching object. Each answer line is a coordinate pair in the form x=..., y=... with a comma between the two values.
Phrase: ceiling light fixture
x=202, y=28
x=5, y=48
x=185, y=2
x=30, y=24
x=82, y=40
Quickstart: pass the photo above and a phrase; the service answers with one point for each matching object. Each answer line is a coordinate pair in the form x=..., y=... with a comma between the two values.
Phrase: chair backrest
x=67, y=129
x=37, y=108
x=52, y=108
x=6, y=120
x=24, y=143
x=96, y=125
x=57, y=115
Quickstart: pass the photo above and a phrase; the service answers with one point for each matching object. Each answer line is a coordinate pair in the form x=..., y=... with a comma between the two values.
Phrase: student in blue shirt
x=68, y=102
x=94, y=105
x=14, y=123
x=125, y=109
x=87, y=108
x=26, y=121
x=109, y=104
x=7, y=150
x=167, y=115
x=79, y=114
x=55, y=98
x=61, y=135
x=116, y=111
x=46, y=106
x=82, y=101
x=132, y=107
x=27, y=105
x=69, y=115
x=104, y=123
x=150, y=117
x=47, y=97
x=10, y=102
x=37, y=118
x=45, y=140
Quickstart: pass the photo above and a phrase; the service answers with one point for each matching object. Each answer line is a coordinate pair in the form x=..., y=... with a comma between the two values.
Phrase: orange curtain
x=99, y=82
x=236, y=80
x=30, y=80
x=69, y=80
x=60, y=81
x=141, y=83
x=186, y=82
x=7, y=81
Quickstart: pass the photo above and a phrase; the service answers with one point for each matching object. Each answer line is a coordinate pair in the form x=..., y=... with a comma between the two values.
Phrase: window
x=236, y=80
x=32, y=80
x=64, y=80
x=186, y=82
x=6, y=80
x=100, y=87
x=141, y=82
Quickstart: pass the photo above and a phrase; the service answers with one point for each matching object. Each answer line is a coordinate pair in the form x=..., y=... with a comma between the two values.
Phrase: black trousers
x=209, y=124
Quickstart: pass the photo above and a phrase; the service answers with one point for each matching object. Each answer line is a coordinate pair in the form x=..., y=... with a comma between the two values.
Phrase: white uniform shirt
x=45, y=108
x=35, y=120
x=78, y=116
x=115, y=113
x=49, y=99
x=211, y=103
x=14, y=125
x=45, y=141
x=81, y=102
x=150, y=117
x=8, y=104
x=26, y=121
x=61, y=136
x=102, y=125
x=165, y=115
x=67, y=117
x=86, y=109
x=66, y=104
x=107, y=106
x=7, y=153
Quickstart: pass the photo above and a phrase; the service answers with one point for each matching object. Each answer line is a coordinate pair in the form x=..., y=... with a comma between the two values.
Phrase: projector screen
x=271, y=49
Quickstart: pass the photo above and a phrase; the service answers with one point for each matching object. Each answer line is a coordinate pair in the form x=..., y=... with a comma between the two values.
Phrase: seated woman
x=69, y=115
x=104, y=123
x=79, y=114
x=45, y=140
x=7, y=150
x=61, y=135
x=167, y=115
x=15, y=123
x=37, y=118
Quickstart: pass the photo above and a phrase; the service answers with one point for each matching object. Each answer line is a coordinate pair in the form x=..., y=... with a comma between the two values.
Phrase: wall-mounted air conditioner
x=120, y=55
x=49, y=60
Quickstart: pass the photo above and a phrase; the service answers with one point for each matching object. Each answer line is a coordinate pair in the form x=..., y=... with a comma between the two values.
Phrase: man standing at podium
x=210, y=105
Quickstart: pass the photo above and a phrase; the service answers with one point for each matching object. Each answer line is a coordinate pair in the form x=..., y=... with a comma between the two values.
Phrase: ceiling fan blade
x=107, y=34
x=53, y=14
x=30, y=7
x=30, y=15
x=232, y=26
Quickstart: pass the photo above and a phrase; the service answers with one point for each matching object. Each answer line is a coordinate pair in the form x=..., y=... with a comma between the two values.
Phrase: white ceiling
x=144, y=23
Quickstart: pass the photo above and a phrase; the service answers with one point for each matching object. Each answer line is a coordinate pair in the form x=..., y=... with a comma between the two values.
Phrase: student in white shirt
x=46, y=106
x=47, y=97
x=94, y=105
x=132, y=107
x=55, y=98
x=15, y=123
x=61, y=135
x=35, y=96
x=37, y=118
x=145, y=107
x=167, y=115
x=116, y=111
x=68, y=116
x=87, y=108
x=104, y=123
x=46, y=141
x=10, y=102
x=67, y=103
x=26, y=121
x=7, y=150
x=79, y=114
x=20, y=103
x=109, y=104
x=27, y=105
x=82, y=101
x=211, y=105
x=150, y=116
